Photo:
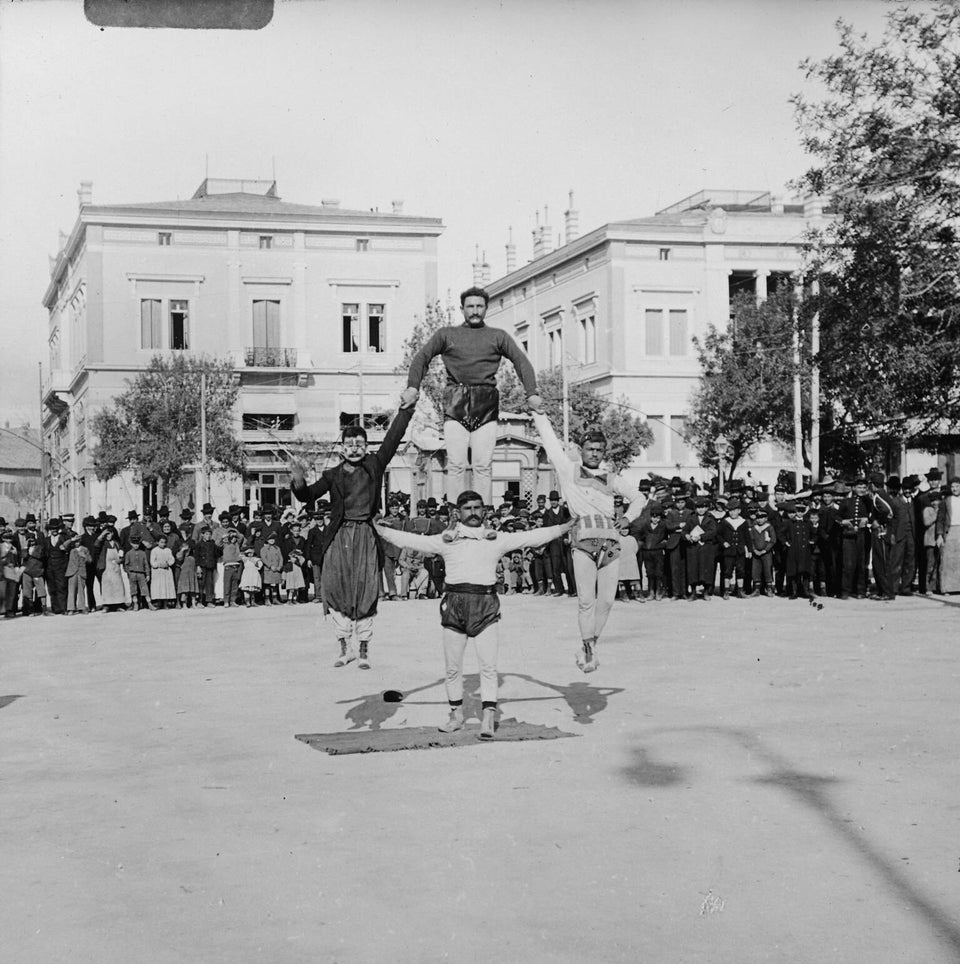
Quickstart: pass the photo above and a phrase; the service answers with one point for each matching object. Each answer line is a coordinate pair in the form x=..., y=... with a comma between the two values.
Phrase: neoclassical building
x=618, y=306
x=311, y=303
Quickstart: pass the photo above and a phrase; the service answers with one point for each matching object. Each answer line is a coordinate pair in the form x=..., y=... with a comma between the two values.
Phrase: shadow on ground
x=812, y=790
x=371, y=711
x=7, y=700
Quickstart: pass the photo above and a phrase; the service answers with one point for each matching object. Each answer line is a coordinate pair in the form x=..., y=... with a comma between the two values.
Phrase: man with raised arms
x=470, y=608
x=595, y=539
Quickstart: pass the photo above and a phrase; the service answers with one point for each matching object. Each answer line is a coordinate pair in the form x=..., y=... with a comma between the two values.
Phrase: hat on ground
x=206, y=509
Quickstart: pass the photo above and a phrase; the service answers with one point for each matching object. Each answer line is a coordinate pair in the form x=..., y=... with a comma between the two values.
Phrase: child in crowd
x=187, y=586
x=250, y=577
x=136, y=564
x=232, y=560
x=272, y=568
x=735, y=539
x=413, y=574
x=32, y=584
x=161, y=582
x=293, y=576
x=652, y=539
x=77, y=564
x=762, y=541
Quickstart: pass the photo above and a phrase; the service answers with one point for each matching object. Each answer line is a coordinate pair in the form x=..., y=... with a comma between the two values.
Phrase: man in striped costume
x=595, y=538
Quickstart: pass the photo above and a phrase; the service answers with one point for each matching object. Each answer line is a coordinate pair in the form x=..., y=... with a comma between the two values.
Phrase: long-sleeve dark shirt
x=472, y=357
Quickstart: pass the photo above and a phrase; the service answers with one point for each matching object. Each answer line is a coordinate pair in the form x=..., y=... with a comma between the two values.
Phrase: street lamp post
x=720, y=443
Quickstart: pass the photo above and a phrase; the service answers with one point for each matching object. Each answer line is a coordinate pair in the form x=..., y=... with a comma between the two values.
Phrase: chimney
x=397, y=207
x=537, y=239
x=485, y=276
x=546, y=232
x=477, y=268
x=776, y=204
x=571, y=218
x=511, y=253
x=813, y=206
x=330, y=202
x=85, y=193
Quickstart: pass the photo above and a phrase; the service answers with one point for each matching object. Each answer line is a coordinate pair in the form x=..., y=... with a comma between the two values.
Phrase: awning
x=269, y=403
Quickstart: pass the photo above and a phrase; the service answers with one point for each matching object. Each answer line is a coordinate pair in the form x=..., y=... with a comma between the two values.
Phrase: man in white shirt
x=470, y=608
x=595, y=540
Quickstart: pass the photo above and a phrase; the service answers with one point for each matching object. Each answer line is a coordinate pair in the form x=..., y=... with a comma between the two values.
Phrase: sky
x=480, y=112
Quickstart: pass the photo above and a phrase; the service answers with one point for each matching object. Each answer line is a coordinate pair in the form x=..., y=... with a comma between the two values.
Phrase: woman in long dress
x=112, y=591
x=948, y=538
x=162, y=587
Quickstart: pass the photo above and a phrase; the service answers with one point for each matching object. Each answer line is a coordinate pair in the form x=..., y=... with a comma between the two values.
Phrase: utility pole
x=203, y=437
x=43, y=460
x=815, y=385
x=797, y=424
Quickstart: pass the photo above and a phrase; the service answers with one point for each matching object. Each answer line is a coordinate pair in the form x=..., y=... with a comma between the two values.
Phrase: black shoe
x=363, y=662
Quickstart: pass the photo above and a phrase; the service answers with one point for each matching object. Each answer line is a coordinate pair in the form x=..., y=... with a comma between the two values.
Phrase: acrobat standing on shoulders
x=595, y=538
x=471, y=353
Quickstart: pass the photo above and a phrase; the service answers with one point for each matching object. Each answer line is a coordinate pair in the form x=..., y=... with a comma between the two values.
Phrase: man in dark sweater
x=471, y=353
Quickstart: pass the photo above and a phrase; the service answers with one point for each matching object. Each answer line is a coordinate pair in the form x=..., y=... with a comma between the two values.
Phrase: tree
x=886, y=140
x=153, y=428
x=745, y=391
x=627, y=435
x=435, y=378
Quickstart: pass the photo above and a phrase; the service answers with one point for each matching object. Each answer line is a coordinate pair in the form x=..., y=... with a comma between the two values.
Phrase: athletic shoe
x=486, y=724
x=454, y=723
x=587, y=658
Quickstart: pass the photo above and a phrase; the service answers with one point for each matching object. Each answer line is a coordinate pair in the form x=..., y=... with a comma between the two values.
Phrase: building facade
x=310, y=303
x=620, y=305
x=20, y=471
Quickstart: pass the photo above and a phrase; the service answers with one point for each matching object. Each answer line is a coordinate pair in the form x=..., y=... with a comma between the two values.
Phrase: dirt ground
x=748, y=781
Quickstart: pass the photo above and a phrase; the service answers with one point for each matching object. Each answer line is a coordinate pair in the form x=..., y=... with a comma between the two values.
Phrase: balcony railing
x=270, y=357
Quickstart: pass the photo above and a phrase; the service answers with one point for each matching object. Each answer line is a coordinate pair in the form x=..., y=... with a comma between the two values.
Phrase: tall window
x=350, y=326
x=653, y=331
x=363, y=244
x=657, y=450
x=179, y=326
x=266, y=324
x=679, y=450
x=678, y=332
x=376, y=328
x=588, y=340
x=151, y=323
x=555, y=346
x=266, y=242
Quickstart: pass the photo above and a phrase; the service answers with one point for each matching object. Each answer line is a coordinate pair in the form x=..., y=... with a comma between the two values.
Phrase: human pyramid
x=600, y=539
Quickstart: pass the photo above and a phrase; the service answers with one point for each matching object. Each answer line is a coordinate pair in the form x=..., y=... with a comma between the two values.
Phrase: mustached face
x=471, y=513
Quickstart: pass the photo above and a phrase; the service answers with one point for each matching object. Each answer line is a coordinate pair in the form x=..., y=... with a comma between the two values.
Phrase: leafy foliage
x=745, y=391
x=153, y=428
x=435, y=378
x=626, y=433
x=886, y=138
